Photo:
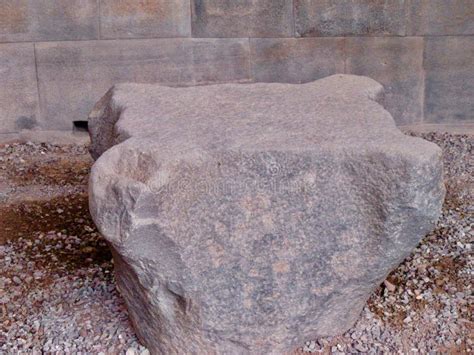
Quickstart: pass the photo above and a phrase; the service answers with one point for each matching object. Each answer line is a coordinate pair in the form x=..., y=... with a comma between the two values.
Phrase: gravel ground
x=57, y=290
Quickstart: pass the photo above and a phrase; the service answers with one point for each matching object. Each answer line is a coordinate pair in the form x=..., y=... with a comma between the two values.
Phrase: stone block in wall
x=48, y=20
x=449, y=84
x=18, y=88
x=145, y=19
x=441, y=17
x=244, y=18
x=295, y=60
x=315, y=18
x=395, y=62
x=74, y=75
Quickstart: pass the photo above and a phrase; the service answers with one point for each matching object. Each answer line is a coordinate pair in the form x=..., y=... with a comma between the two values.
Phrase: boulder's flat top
x=340, y=109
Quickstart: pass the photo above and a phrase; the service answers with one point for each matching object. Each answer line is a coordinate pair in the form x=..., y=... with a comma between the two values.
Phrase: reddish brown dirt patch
x=54, y=171
x=68, y=214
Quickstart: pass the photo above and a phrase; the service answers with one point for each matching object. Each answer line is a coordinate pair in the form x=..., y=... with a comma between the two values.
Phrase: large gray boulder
x=247, y=218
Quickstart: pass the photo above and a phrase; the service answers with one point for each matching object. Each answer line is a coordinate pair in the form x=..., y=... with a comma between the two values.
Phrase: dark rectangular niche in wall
x=80, y=126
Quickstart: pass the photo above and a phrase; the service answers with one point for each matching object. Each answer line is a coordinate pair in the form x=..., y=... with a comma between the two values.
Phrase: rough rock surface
x=248, y=218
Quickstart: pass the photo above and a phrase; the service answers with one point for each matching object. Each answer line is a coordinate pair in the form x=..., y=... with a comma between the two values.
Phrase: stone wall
x=57, y=57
